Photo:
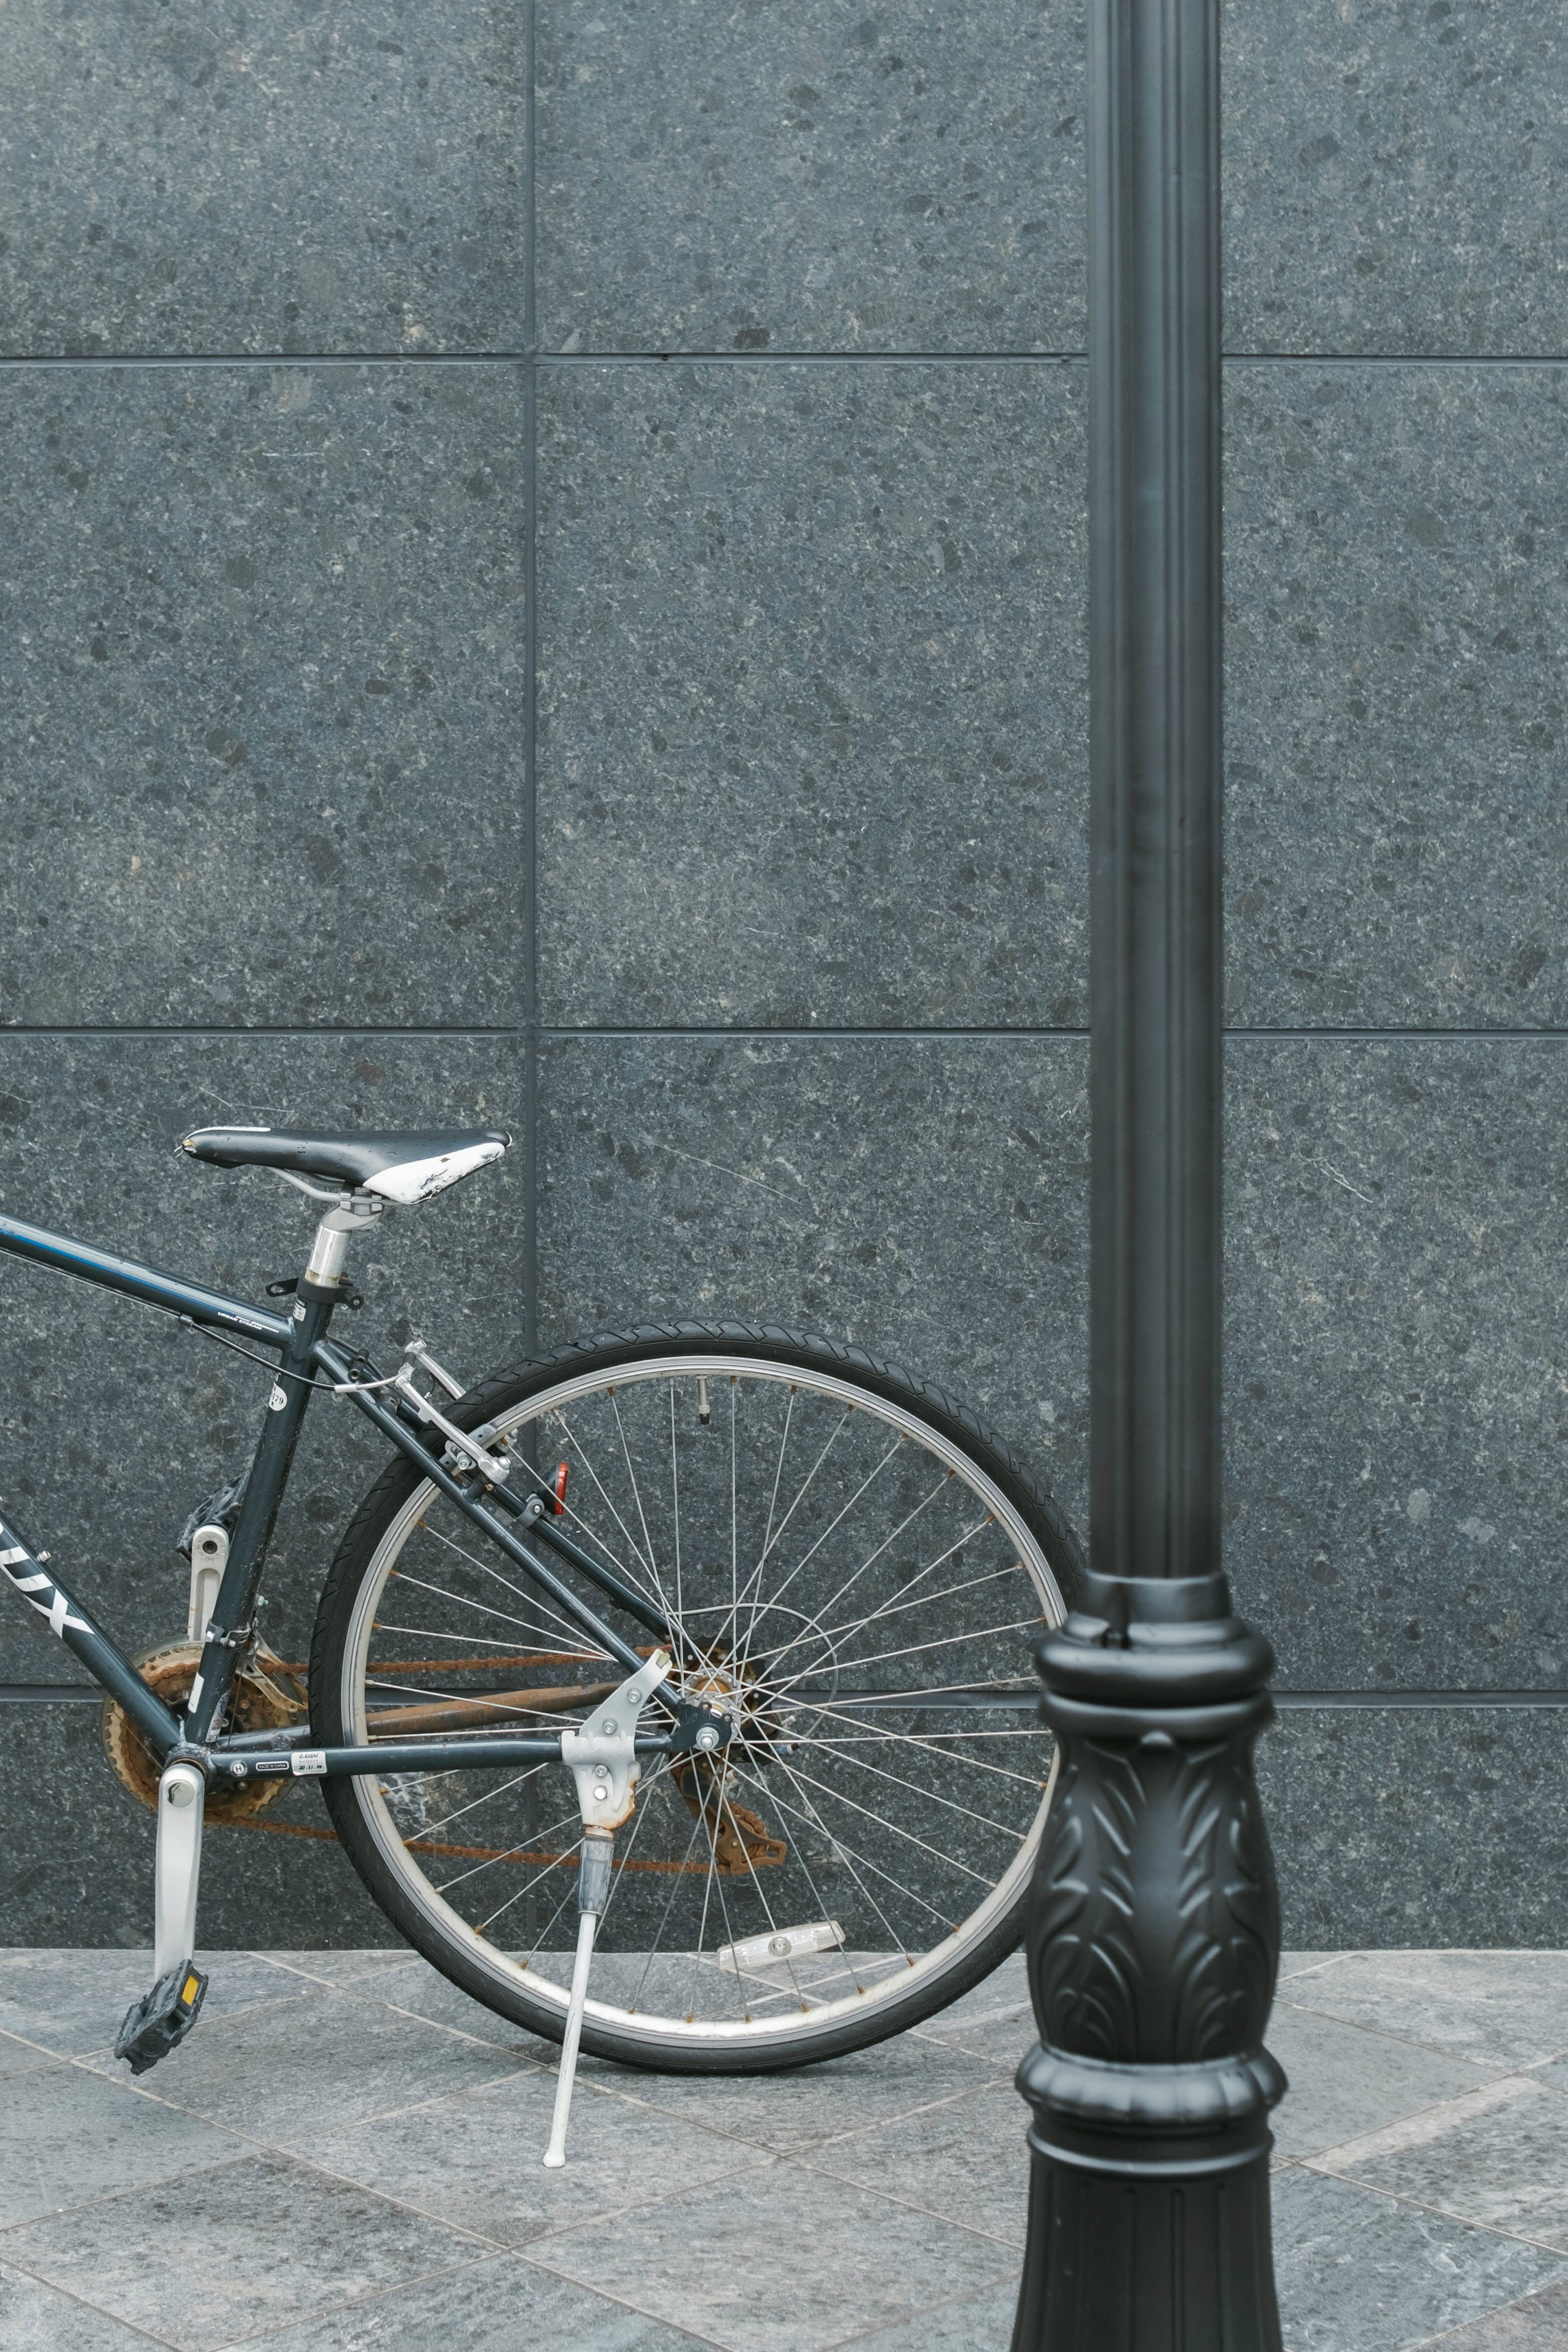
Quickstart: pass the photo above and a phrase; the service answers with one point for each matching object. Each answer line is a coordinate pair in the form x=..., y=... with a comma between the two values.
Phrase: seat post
x=329, y=1249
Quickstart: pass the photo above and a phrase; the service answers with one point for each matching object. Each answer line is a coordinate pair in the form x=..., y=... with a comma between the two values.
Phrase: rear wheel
x=849, y=1564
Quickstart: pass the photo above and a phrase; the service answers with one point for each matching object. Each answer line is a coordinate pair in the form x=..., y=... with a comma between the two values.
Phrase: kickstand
x=593, y=1892
x=602, y=1757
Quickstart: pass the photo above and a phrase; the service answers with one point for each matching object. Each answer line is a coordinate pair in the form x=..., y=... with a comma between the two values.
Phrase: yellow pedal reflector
x=190, y=1989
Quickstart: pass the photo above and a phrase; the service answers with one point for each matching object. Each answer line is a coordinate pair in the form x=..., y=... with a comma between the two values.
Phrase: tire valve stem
x=702, y=1414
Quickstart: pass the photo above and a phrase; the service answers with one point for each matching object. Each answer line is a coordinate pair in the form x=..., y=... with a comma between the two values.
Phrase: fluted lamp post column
x=1153, y=1934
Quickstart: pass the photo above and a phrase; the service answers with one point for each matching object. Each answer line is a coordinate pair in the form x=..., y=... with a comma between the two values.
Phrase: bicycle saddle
x=400, y=1168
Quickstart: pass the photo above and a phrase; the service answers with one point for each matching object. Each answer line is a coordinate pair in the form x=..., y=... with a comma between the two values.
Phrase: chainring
x=265, y=1697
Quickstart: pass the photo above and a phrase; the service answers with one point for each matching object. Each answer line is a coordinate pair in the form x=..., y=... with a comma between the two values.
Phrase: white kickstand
x=603, y=1761
x=181, y=1800
x=595, y=1842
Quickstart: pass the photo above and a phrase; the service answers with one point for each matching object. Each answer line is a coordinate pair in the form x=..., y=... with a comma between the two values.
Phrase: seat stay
x=336, y=1367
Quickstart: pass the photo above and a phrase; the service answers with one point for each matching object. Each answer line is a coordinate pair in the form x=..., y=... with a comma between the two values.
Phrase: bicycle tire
x=632, y=1369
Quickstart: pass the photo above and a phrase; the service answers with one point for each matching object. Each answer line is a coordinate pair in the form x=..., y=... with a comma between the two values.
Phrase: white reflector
x=788, y=1944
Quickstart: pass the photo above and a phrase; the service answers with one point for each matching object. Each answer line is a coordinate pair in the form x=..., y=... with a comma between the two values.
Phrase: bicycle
x=765, y=1599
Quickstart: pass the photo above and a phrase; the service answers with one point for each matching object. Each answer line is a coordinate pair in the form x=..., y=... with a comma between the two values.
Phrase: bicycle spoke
x=915, y=1650
x=811, y=1544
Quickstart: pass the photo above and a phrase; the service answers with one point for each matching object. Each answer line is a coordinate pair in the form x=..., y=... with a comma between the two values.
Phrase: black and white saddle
x=403, y=1168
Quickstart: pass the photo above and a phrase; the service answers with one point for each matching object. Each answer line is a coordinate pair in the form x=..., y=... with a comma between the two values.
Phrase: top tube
x=169, y=1291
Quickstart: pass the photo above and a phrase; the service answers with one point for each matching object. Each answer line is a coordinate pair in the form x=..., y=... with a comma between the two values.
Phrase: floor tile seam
x=310, y=1976
x=1435, y=2107
x=741, y=2139
x=414, y=2106
x=622, y=2303
x=215, y=2025
x=1322, y=1968
x=458, y=2033
x=765, y=2161
x=903, y=2204
x=930, y=2039
x=926, y=2311
x=130, y=2188
x=927, y=2107
x=1408, y=2042
x=1463, y=2327
x=467, y=2231
x=1438, y=2212
x=68, y=2294
x=955, y=2047
x=350, y=2303
x=668, y=2115
x=792, y=356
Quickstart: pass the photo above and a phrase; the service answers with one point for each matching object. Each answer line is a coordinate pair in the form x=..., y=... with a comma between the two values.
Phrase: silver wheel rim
x=797, y=2001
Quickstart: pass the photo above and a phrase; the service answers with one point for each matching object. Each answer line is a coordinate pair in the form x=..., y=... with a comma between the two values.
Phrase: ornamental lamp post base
x=1154, y=1945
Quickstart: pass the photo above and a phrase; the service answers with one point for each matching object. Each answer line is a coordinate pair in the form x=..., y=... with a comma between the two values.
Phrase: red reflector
x=561, y=1469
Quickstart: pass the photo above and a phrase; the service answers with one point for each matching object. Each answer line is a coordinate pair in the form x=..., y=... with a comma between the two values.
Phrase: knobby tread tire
x=607, y=1352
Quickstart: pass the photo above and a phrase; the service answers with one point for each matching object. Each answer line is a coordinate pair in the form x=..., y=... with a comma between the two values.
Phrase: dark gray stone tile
x=267, y=2072
x=341, y=1967
x=158, y=1418
x=771, y=1178
x=85, y=2136
x=477, y=2159
x=175, y=180
x=260, y=2243
x=19, y=2057
x=968, y=2324
x=1346, y=2079
x=1396, y=1507
x=72, y=2002
x=1536, y=2323
x=961, y=2159
x=480, y=2308
x=787, y=2113
x=1498, y=2155
x=1501, y=2009
x=1397, y=602
x=1405, y=1826
x=35, y=2318
x=796, y=178
x=812, y=696
x=412, y=1985
x=1394, y=176
x=1358, y=2273
x=262, y=667
x=839, y=2263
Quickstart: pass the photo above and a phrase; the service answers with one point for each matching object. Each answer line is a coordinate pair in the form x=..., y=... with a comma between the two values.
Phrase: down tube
x=75, y=1627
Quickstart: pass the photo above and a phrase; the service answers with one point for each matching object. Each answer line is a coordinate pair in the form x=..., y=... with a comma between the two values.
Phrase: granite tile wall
x=563, y=605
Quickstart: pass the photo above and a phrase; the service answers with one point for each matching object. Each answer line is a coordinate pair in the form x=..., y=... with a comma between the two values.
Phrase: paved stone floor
x=345, y=2155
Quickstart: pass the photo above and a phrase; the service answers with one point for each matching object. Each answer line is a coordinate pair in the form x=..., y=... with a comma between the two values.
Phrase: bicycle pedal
x=161, y=2020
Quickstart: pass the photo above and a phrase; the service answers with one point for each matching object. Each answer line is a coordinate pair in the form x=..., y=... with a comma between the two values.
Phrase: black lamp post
x=1154, y=1936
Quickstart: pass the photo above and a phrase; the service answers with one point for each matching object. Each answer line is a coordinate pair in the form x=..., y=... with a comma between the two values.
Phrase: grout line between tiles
x=18, y=363
x=928, y=2107
x=1497, y=2310
x=351, y=2302
x=905, y=2204
x=927, y=2311
x=84, y=2303
x=1439, y=2212
x=622, y=2303
x=1500, y=2067
x=566, y=1033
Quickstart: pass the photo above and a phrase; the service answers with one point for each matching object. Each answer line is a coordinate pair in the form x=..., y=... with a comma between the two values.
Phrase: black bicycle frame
x=306, y=1359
